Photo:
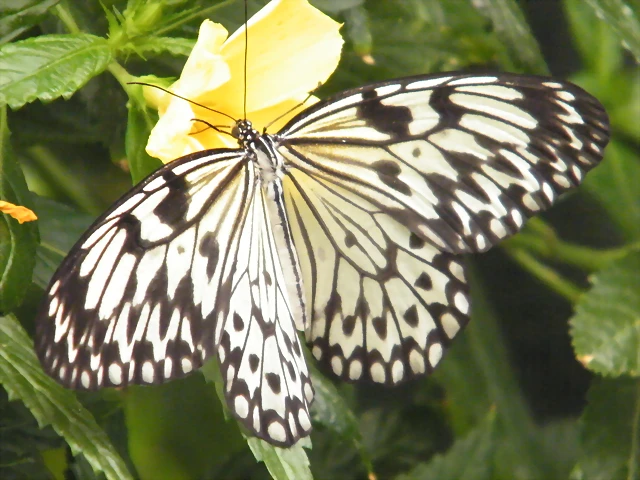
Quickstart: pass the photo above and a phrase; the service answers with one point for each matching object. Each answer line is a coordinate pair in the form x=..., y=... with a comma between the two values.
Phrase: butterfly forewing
x=462, y=160
x=135, y=299
x=388, y=181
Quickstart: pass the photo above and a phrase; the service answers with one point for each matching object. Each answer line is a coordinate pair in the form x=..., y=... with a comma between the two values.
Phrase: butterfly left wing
x=181, y=268
x=388, y=183
x=133, y=302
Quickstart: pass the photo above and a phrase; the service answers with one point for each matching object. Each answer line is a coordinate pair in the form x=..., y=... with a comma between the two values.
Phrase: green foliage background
x=543, y=384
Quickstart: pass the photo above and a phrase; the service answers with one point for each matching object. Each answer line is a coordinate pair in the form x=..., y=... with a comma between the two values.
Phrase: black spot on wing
x=390, y=119
x=411, y=316
x=415, y=241
x=388, y=172
x=238, y=323
x=254, y=362
x=132, y=243
x=210, y=250
x=173, y=207
x=273, y=381
x=348, y=325
x=380, y=326
x=424, y=282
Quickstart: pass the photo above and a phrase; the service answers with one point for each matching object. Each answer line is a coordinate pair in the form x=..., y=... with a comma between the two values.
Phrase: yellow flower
x=293, y=48
x=20, y=213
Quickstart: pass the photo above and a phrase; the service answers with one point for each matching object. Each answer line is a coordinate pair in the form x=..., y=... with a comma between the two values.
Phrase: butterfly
x=348, y=225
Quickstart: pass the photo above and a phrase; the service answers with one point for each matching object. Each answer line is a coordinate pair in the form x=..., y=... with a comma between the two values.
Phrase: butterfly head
x=244, y=132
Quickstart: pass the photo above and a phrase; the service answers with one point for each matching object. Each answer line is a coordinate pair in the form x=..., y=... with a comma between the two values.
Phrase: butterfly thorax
x=261, y=149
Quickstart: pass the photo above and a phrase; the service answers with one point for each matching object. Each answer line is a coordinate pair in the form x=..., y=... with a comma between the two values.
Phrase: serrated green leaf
x=624, y=17
x=61, y=227
x=606, y=325
x=610, y=438
x=20, y=16
x=50, y=66
x=283, y=463
x=512, y=28
x=17, y=241
x=23, y=378
x=470, y=458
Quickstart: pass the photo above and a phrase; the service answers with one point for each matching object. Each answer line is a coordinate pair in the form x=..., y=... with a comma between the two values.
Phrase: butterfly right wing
x=135, y=299
x=267, y=382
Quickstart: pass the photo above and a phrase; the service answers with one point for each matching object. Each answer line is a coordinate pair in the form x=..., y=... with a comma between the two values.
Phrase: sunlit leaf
x=606, y=325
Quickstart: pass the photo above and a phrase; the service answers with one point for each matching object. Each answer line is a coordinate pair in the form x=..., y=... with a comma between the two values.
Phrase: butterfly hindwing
x=384, y=303
x=266, y=378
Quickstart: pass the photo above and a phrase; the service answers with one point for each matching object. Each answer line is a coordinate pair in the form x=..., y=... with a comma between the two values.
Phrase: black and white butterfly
x=349, y=225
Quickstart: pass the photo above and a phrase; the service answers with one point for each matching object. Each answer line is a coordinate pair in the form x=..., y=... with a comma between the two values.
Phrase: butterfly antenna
x=182, y=98
x=291, y=109
x=217, y=128
x=246, y=50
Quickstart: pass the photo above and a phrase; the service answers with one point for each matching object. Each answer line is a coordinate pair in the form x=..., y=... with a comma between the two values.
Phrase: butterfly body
x=348, y=225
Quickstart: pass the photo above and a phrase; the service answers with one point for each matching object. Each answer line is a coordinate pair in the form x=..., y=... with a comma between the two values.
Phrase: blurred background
x=511, y=400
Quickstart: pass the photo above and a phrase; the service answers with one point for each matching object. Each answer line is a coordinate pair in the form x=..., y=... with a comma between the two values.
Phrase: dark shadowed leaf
x=17, y=241
x=23, y=378
x=610, y=440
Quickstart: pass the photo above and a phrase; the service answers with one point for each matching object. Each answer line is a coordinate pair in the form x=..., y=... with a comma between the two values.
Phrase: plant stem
x=121, y=75
x=547, y=275
x=67, y=19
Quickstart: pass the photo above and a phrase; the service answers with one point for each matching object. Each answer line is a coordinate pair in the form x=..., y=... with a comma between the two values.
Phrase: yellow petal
x=170, y=137
x=268, y=117
x=205, y=69
x=293, y=48
x=20, y=213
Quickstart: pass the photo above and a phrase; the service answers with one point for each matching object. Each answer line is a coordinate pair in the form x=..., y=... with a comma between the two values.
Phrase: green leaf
x=329, y=407
x=512, y=28
x=50, y=66
x=17, y=241
x=595, y=39
x=606, y=325
x=141, y=121
x=61, y=227
x=624, y=17
x=283, y=463
x=20, y=16
x=51, y=404
x=610, y=439
x=169, y=424
x=478, y=376
x=470, y=458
